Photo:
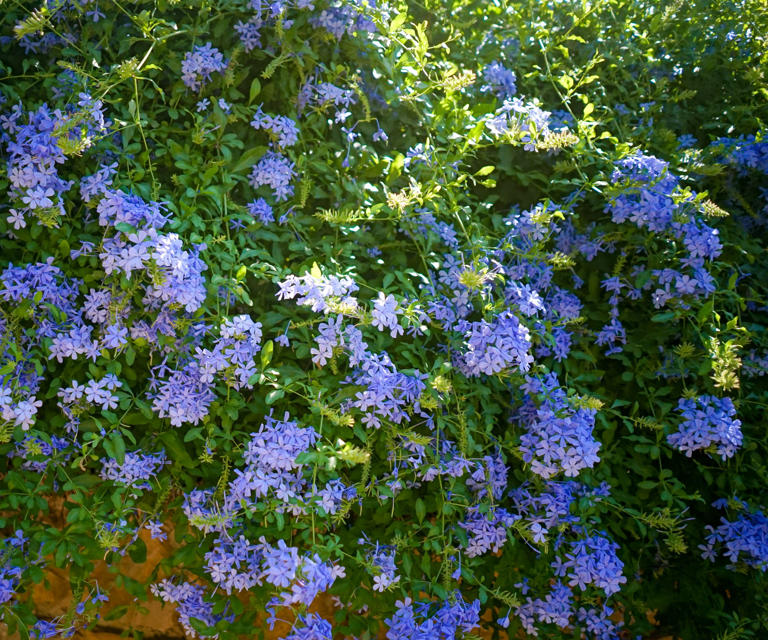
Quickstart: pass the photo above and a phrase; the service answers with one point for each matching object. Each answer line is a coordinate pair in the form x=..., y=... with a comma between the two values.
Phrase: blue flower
x=708, y=421
x=198, y=65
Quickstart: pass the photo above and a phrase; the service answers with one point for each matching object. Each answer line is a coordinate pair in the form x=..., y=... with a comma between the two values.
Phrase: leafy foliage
x=449, y=311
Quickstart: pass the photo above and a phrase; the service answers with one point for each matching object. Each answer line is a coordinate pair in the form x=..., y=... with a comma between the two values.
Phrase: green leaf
x=138, y=551
x=176, y=450
x=117, y=612
x=566, y=81
x=7, y=368
x=118, y=446
x=248, y=159
x=193, y=434
x=109, y=447
x=398, y=22
x=203, y=629
x=421, y=509
x=706, y=311
x=61, y=555
x=266, y=354
x=86, y=480
x=486, y=170
x=254, y=91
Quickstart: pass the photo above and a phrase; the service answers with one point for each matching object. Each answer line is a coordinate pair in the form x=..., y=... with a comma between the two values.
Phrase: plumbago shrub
x=451, y=314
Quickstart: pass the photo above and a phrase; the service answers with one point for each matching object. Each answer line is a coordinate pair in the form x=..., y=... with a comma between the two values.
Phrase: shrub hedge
x=451, y=310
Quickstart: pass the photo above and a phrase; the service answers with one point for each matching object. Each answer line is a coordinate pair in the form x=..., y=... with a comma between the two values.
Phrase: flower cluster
x=746, y=152
x=321, y=293
x=500, y=81
x=281, y=129
x=185, y=392
x=198, y=65
x=558, y=436
x=249, y=32
x=135, y=471
x=260, y=209
x=427, y=224
x=77, y=398
x=592, y=561
x=305, y=576
x=743, y=540
x=233, y=351
x=386, y=392
x=9, y=571
x=322, y=95
x=385, y=312
x=20, y=413
x=181, y=393
x=234, y=564
x=707, y=422
x=313, y=627
x=240, y=565
x=650, y=198
x=524, y=122
x=431, y=620
x=275, y=171
x=546, y=509
x=174, y=274
x=382, y=560
x=190, y=604
x=347, y=18
x=39, y=455
x=51, y=300
x=555, y=608
x=755, y=364
x=205, y=511
x=486, y=531
x=493, y=347
x=271, y=466
x=489, y=477
x=37, y=147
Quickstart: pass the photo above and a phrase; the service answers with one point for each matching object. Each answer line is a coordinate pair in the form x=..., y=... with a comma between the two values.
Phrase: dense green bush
x=448, y=310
